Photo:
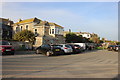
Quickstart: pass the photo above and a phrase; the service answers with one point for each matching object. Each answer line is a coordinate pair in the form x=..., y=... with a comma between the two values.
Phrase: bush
x=99, y=48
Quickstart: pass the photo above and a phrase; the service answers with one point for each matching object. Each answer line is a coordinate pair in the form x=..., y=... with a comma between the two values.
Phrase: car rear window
x=67, y=46
x=77, y=45
x=4, y=43
x=57, y=45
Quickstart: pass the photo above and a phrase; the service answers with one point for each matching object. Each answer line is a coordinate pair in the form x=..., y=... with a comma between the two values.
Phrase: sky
x=94, y=17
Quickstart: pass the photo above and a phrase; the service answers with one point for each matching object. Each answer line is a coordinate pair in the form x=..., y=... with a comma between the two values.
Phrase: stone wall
x=21, y=45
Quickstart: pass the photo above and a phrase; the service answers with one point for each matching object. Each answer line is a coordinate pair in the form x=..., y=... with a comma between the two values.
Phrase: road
x=90, y=64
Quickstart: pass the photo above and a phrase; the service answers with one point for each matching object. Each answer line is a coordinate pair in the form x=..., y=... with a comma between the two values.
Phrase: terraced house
x=45, y=32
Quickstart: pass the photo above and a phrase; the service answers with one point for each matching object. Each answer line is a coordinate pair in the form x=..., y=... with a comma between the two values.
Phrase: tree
x=71, y=37
x=25, y=35
x=118, y=43
x=95, y=38
x=103, y=39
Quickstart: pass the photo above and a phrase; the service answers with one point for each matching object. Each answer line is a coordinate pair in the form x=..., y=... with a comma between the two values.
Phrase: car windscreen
x=57, y=45
x=77, y=45
x=111, y=45
x=117, y=45
x=4, y=43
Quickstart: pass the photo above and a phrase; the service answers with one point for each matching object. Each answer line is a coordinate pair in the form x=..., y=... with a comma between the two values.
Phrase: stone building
x=45, y=32
x=5, y=29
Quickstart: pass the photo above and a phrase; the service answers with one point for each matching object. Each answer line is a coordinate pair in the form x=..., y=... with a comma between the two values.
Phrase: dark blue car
x=48, y=50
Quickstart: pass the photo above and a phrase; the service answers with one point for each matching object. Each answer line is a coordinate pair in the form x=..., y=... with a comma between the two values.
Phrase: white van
x=83, y=45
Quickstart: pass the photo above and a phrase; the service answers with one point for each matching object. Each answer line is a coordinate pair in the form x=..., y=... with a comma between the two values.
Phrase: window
x=58, y=31
x=52, y=31
x=17, y=29
x=67, y=46
x=46, y=46
x=1, y=31
x=45, y=31
x=36, y=33
x=87, y=35
x=21, y=28
x=55, y=31
x=8, y=33
x=4, y=43
x=27, y=27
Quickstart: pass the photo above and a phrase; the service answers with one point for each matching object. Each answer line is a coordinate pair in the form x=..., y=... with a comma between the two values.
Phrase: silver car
x=65, y=47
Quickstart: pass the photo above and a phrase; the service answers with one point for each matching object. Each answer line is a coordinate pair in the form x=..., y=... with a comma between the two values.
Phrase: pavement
x=24, y=52
x=90, y=64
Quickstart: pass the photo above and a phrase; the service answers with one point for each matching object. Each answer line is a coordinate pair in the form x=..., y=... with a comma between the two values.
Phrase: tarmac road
x=90, y=64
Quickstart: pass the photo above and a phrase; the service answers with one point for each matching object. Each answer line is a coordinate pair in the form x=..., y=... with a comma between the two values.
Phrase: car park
x=48, y=50
x=76, y=48
x=6, y=48
x=67, y=49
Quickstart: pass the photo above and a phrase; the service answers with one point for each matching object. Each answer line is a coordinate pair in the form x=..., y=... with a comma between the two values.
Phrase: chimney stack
x=19, y=20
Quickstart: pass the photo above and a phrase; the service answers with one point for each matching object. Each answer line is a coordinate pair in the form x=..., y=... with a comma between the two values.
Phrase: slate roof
x=40, y=23
x=52, y=24
x=26, y=21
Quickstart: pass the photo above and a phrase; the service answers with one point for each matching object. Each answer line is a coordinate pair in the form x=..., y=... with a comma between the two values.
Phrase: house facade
x=5, y=29
x=45, y=32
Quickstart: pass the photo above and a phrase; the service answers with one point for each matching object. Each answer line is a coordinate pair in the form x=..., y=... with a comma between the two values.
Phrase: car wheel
x=49, y=53
x=12, y=53
x=37, y=51
x=63, y=52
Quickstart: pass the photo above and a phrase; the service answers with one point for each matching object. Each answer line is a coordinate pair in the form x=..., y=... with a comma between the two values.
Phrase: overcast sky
x=93, y=17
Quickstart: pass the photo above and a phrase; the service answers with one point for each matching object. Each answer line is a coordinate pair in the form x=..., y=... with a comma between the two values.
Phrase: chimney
x=19, y=20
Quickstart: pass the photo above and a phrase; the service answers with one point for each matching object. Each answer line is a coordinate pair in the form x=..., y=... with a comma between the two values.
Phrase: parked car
x=117, y=48
x=83, y=46
x=76, y=48
x=90, y=46
x=48, y=50
x=67, y=49
x=111, y=47
x=6, y=48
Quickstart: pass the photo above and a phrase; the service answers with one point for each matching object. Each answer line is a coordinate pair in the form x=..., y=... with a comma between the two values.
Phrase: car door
x=40, y=49
x=46, y=48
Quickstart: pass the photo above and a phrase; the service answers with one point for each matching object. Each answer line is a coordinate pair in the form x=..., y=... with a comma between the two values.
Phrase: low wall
x=21, y=45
